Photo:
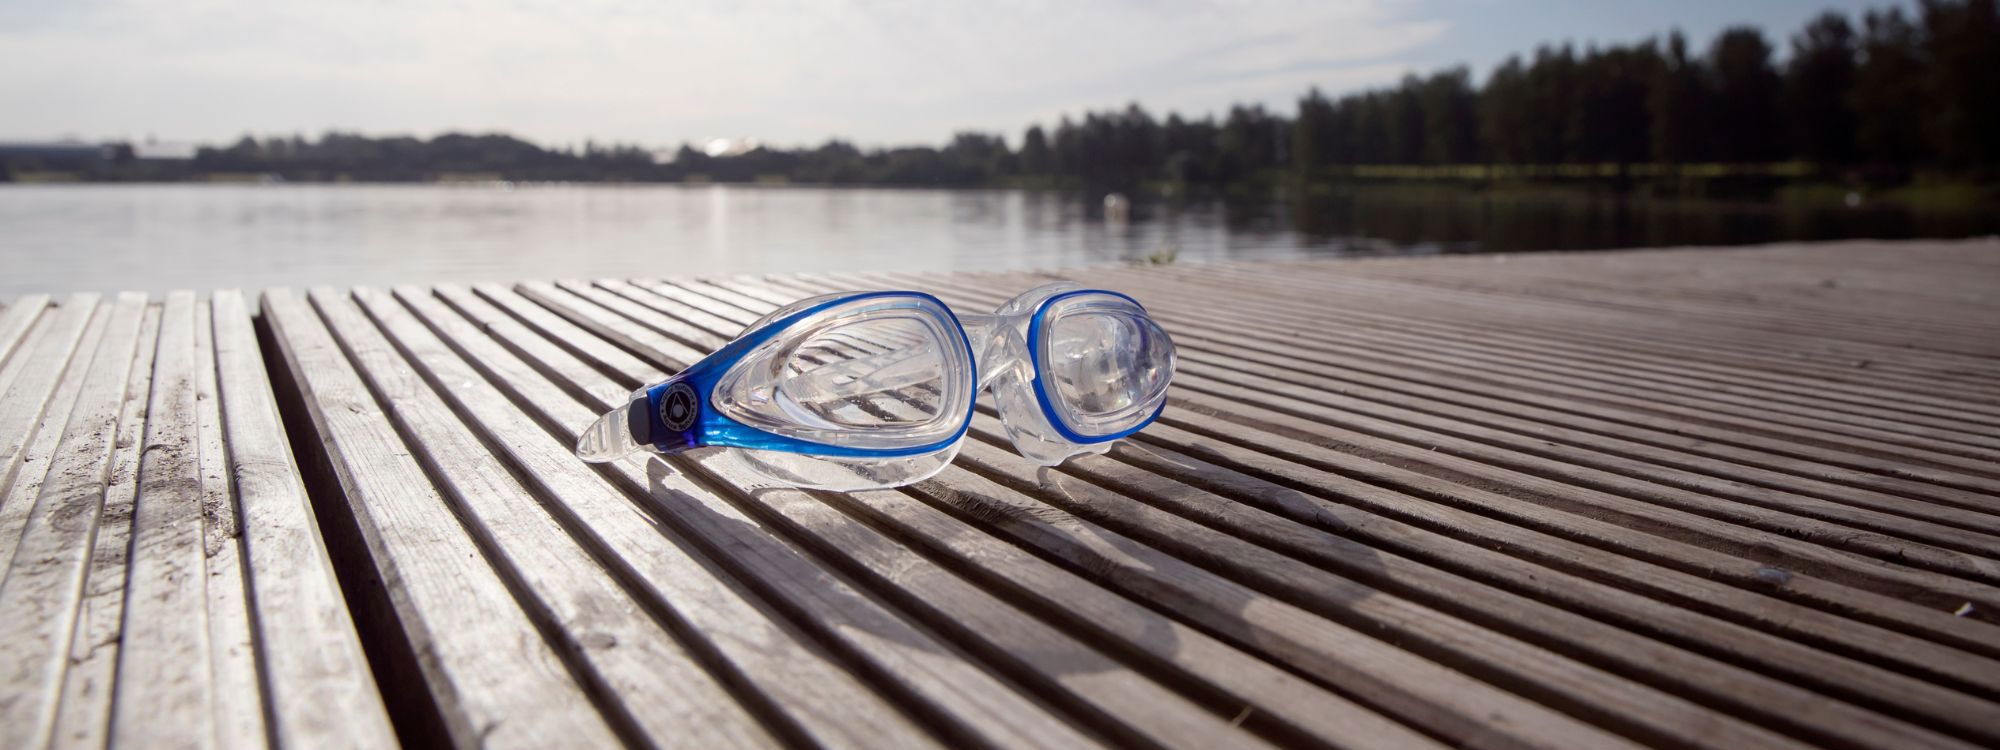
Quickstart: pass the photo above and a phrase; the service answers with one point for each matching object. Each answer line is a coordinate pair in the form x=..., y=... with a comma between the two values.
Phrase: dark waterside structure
x=1727, y=498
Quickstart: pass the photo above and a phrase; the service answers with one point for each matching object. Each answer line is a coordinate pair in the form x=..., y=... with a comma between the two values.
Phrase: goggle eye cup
x=868, y=374
x=1102, y=364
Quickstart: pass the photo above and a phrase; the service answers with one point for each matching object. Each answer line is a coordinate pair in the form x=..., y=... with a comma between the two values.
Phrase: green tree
x=1745, y=113
x=1888, y=90
x=1313, y=133
x=1552, y=97
x=1372, y=123
x=1251, y=142
x=1406, y=122
x=1451, y=124
x=1036, y=159
x=1818, y=78
x=1610, y=121
x=1677, y=101
x=1962, y=91
x=1506, y=117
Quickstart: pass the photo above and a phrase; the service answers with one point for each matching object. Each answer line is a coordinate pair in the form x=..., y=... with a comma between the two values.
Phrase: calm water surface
x=159, y=237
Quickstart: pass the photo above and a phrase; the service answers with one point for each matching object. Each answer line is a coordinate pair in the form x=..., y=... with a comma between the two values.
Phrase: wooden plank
x=1832, y=349
x=1506, y=281
x=1807, y=355
x=1712, y=405
x=1576, y=484
x=1609, y=353
x=1269, y=694
x=838, y=537
x=1398, y=350
x=1612, y=633
x=491, y=678
x=793, y=507
x=1767, y=459
x=319, y=690
x=84, y=718
x=592, y=308
x=232, y=652
x=15, y=320
x=1589, y=500
x=44, y=585
x=806, y=690
x=159, y=699
x=967, y=701
x=1487, y=283
x=1761, y=699
x=1459, y=697
x=33, y=409
x=643, y=677
x=1139, y=481
x=1331, y=493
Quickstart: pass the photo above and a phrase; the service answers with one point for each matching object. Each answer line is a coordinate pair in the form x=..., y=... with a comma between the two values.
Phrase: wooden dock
x=1717, y=498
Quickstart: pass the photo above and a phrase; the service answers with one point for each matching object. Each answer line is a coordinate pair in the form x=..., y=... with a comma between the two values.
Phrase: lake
x=159, y=237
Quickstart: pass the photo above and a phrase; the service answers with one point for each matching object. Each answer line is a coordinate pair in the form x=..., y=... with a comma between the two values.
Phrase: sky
x=662, y=72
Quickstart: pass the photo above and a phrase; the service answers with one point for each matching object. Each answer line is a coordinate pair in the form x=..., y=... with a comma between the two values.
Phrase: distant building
x=164, y=151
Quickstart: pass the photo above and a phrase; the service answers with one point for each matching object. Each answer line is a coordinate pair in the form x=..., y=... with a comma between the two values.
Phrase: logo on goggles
x=678, y=407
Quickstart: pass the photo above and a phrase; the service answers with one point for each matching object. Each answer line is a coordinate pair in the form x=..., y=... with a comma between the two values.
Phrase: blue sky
x=659, y=72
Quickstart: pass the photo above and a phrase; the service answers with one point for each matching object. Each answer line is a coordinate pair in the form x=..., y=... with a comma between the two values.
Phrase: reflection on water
x=1461, y=221
x=157, y=237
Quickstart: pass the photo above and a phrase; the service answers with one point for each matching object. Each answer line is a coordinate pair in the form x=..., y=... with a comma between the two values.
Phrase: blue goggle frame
x=679, y=413
x=709, y=427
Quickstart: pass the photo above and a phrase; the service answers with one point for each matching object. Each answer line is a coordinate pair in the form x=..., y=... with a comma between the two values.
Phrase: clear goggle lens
x=880, y=373
x=1104, y=363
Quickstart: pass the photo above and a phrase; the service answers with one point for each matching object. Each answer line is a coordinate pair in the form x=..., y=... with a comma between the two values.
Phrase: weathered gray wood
x=1745, y=690
x=1419, y=691
x=920, y=668
x=1965, y=633
x=807, y=687
x=232, y=652
x=492, y=678
x=1386, y=365
x=1691, y=499
x=160, y=699
x=645, y=676
x=84, y=718
x=15, y=320
x=1603, y=354
x=1825, y=355
x=1768, y=701
x=1391, y=429
x=1171, y=449
x=1268, y=693
x=589, y=310
x=319, y=690
x=1128, y=706
x=33, y=409
x=44, y=585
x=1519, y=326
x=1906, y=435
x=1504, y=282
x=1525, y=715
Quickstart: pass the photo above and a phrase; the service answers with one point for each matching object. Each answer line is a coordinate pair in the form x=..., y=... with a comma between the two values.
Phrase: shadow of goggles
x=865, y=390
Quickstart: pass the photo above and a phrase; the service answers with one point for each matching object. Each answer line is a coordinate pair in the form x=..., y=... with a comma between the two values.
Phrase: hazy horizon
x=872, y=73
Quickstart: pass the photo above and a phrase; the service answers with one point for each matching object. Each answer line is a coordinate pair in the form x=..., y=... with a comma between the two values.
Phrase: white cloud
x=876, y=71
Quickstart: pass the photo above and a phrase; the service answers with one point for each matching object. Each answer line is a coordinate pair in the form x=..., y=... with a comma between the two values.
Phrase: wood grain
x=1711, y=498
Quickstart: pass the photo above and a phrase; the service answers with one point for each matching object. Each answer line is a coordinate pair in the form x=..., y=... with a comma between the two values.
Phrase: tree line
x=1880, y=96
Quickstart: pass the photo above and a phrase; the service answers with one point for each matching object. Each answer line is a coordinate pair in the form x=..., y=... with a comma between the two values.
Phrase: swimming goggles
x=865, y=390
